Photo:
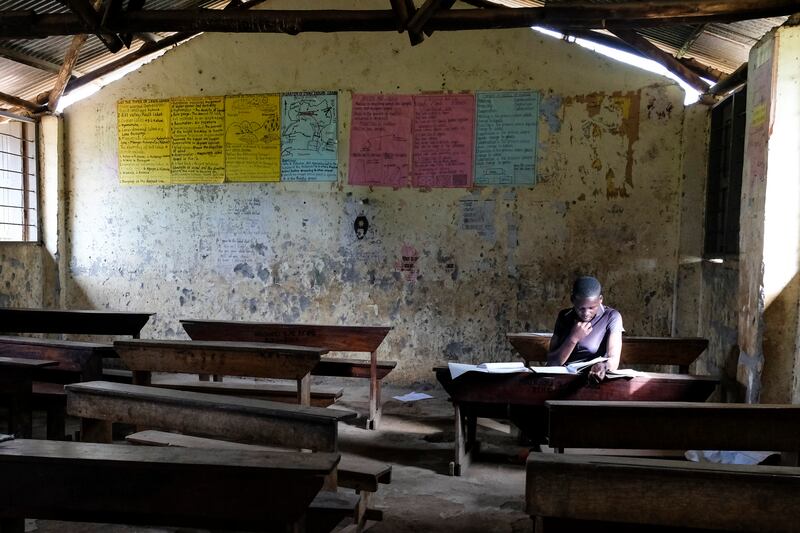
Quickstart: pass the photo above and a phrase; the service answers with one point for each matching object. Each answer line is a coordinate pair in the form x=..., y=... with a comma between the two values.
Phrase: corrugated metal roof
x=721, y=46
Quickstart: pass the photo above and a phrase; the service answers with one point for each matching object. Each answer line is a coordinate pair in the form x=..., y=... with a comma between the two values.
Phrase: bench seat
x=99, y=403
x=321, y=395
x=659, y=492
x=225, y=489
x=350, y=368
x=353, y=472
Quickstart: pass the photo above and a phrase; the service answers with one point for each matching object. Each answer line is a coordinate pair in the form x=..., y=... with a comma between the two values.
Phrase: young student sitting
x=587, y=330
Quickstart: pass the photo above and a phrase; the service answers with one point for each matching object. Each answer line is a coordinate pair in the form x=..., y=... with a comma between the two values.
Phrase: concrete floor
x=417, y=439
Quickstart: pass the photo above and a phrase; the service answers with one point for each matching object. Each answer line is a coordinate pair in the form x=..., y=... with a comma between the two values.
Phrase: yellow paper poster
x=198, y=139
x=143, y=136
x=252, y=137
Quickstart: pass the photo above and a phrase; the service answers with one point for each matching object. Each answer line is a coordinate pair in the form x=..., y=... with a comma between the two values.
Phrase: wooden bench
x=359, y=474
x=321, y=395
x=16, y=385
x=334, y=338
x=674, y=426
x=253, y=359
x=99, y=403
x=623, y=494
x=72, y=321
x=73, y=361
x=225, y=489
x=521, y=397
x=674, y=351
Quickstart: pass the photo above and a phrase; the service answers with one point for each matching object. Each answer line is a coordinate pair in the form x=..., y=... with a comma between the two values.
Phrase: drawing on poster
x=252, y=137
x=380, y=140
x=309, y=137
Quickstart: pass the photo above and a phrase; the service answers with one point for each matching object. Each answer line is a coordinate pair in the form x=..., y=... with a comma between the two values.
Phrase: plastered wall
x=452, y=270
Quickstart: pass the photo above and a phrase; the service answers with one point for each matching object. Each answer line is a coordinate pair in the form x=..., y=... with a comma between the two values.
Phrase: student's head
x=586, y=297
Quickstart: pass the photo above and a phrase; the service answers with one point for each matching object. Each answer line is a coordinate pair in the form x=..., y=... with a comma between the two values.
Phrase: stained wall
x=452, y=270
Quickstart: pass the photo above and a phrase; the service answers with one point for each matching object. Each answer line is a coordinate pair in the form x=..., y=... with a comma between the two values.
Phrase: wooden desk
x=253, y=359
x=72, y=321
x=520, y=397
x=567, y=493
x=216, y=489
x=77, y=361
x=673, y=425
x=16, y=383
x=334, y=338
x=680, y=351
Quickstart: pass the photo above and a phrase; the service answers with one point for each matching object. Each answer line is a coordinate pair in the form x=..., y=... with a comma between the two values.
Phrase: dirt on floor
x=416, y=438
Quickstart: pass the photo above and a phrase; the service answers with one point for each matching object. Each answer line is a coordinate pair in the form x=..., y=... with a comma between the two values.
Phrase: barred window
x=19, y=214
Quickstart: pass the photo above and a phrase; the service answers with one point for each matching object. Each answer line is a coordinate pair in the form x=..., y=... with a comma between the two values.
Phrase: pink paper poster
x=444, y=140
x=380, y=140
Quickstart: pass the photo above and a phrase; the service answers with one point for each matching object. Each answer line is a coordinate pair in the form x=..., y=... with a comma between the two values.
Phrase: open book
x=572, y=368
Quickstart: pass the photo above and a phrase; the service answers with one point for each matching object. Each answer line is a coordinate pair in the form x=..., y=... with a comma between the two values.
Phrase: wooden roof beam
x=424, y=13
x=659, y=56
x=89, y=15
x=403, y=11
x=31, y=61
x=573, y=16
x=147, y=49
x=70, y=59
x=19, y=102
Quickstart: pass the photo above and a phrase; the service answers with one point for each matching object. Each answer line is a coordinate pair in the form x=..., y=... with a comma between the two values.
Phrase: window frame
x=26, y=175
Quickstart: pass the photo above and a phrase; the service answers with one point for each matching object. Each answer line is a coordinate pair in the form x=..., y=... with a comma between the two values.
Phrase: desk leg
x=20, y=421
x=94, y=430
x=374, y=392
x=142, y=377
x=465, y=440
x=304, y=390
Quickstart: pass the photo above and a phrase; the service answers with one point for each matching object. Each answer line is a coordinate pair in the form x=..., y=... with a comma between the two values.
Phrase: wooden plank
x=79, y=322
x=353, y=472
x=77, y=361
x=673, y=425
x=334, y=338
x=662, y=492
x=351, y=368
x=321, y=396
x=224, y=358
x=681, y=351
x=233, y=418
x=159, y=486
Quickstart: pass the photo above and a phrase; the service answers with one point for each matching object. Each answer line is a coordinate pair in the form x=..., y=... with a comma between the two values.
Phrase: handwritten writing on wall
x=252, y=137
x=443, y=140
x=198, y=139
x=380, y=140
x=309, y=134
x=506, y=137
x=143, y=134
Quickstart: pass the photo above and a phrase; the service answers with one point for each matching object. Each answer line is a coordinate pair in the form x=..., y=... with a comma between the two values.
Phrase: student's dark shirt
x=595, y=344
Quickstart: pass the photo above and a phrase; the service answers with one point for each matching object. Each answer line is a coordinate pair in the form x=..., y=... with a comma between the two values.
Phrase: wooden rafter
x=31, y=61
x=89, y=15
x=147, y=49
x=737, y=78
x=28, y=24
x=698, y=31
x=21, y=103
x=403, y=11
x=70, y=59
x=424, y=13
x=665, y=59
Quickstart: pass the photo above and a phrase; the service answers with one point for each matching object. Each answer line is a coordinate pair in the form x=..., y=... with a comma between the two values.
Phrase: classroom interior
x=619, y=190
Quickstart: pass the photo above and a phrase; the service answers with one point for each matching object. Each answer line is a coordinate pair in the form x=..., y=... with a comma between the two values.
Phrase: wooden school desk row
x=83, y=361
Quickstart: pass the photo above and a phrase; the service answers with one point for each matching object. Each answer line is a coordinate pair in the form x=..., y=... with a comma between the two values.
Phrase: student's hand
x=598, y=372
x=579, y=331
